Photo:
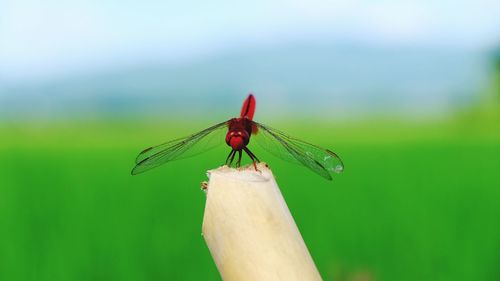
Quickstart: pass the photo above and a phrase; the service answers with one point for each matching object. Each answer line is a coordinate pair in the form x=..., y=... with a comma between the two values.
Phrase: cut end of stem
x=244, y=173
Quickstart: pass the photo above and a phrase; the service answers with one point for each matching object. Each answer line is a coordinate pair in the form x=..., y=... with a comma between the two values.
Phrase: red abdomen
x=248, y=108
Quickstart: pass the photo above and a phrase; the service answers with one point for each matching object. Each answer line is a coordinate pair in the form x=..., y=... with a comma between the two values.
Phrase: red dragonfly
x=238, y=132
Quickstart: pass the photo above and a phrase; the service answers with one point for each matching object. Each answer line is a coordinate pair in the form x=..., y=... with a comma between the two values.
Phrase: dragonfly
x=238, y=132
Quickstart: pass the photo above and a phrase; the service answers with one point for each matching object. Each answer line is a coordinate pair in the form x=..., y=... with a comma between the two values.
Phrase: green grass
x=417, y=201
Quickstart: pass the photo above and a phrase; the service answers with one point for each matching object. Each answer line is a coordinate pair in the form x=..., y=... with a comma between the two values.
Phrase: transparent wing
x=191, y=145
x=320, y=160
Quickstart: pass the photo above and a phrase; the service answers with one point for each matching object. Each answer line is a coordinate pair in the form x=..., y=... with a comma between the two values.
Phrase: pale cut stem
x=249, y=229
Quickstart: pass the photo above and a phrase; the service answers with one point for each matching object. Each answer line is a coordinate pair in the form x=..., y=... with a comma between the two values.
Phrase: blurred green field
x=419, y=200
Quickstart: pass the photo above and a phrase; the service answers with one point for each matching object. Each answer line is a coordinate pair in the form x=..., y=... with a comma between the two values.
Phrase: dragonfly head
x=237, y=139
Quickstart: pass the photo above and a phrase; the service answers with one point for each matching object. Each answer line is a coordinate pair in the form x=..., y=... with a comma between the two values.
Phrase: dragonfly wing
x=320, y=160
x=191, y=145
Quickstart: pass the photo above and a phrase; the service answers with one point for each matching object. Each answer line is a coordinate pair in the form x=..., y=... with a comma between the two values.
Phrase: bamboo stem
x=249, y=229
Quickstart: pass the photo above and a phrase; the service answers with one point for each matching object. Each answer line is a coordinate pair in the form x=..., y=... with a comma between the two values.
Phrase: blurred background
x=407, y=93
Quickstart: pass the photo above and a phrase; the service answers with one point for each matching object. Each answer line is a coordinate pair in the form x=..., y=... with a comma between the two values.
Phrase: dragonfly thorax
x=237, y=139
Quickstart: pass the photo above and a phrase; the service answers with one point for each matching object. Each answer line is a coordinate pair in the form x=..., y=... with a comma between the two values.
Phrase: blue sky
x=44, y=39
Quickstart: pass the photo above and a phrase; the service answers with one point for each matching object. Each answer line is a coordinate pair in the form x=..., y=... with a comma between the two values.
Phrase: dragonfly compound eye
x=237, y=140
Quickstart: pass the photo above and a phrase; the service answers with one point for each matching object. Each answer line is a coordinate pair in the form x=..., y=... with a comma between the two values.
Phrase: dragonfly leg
x=230, y=157
x=238, y=164
x=253, y=157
